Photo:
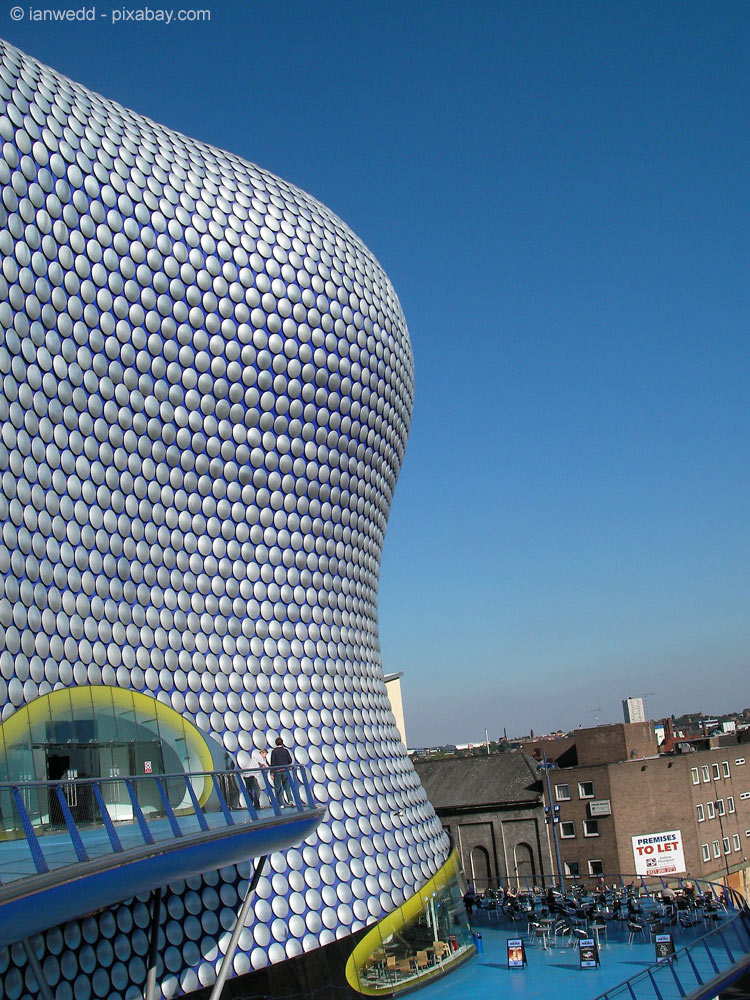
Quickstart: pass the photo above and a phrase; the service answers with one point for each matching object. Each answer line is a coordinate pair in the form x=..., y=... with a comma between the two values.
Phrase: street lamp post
x=551, y=816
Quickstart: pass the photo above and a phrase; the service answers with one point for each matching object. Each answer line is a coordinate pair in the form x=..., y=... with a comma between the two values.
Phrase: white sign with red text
x=659, y=853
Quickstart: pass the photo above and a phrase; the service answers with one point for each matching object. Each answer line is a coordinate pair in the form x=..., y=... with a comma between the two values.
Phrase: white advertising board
x=659, y=853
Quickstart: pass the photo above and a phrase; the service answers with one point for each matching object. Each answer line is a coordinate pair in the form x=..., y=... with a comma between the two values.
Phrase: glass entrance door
x=70, y=761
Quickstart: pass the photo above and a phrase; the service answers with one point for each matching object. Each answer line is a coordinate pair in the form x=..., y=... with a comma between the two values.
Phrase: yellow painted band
x=394, y=922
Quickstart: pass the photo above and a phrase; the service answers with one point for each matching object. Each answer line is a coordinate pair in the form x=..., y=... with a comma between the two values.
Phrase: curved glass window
x=423, y=939
x=104, y=732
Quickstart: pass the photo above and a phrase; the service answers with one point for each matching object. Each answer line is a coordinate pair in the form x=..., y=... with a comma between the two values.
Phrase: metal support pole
x=226, y=962
x=153, y=944
x=36, y=968
x=552, y=818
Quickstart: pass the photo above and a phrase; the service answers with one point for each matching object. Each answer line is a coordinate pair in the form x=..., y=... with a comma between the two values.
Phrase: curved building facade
x=206, y=387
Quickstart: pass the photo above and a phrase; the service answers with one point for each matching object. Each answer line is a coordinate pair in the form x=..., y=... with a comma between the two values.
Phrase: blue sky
x=559, y=193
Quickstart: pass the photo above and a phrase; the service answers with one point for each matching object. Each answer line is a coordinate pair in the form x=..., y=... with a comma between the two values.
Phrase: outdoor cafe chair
x=634, y=930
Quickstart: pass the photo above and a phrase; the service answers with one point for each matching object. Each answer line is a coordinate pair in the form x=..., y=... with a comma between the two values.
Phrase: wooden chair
x=407, y=965
x=441, y=950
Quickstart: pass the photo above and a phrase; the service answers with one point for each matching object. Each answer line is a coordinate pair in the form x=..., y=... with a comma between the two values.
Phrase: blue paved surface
x=555, y=974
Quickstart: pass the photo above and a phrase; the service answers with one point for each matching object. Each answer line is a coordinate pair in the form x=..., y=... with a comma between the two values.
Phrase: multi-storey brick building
x=612, y=785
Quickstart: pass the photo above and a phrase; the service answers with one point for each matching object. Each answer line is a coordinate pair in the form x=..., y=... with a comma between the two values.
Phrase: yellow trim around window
x=394, y=922
x=13, y=729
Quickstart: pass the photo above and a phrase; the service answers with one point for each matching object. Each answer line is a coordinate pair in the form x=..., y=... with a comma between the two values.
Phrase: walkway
x=55, y=865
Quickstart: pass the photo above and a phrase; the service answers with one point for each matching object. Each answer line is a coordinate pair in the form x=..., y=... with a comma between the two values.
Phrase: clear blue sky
x=559, y=192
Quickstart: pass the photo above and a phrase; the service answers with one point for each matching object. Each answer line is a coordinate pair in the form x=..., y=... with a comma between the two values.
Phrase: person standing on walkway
x=258, y=761
x=280, y=761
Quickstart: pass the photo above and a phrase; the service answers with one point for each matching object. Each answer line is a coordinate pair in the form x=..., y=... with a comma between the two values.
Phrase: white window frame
x=725, y=768
x=727, y=846
x=720, y=809
x=568, y=870
x=592, y=870
x=745, y=795
x=736, y=841
x=705, y=772
x=730, y=804
x=705, y=852
x=586, y=829
x=581, y=793
x=715, y=769
x=701, y=813
x=739, y=762
x=559, y=796
x=717, y=849
x=567, y=836
x=695, y=775
x=711, y=809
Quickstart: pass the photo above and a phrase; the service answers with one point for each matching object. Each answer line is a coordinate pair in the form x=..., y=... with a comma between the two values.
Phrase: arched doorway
x=479, y=862
x=525, y=867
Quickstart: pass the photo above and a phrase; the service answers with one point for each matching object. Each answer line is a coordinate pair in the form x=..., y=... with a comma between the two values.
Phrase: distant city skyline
x=559, y=194
x=534, y=732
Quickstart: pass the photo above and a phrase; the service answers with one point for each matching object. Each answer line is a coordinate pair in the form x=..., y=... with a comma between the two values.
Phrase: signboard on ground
x=516, y=953
x=588, y=953
x=664, y=946
x=659, y=853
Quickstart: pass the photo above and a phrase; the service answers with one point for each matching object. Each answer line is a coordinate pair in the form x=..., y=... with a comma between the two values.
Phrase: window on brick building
x=711, y=810
x=730, y=803
x=695, y=776
x=704, y=772
x=725, y=842
x=591, y=828
x=705, y=852
x=717, y=849
x=567, y=830
x=562, y=793
x=596, y=867
x=736, y=841
x=715, y=769
x=739, y=761
x=586, y=789
x=573, y=869
x=745, y=795
x=725, y=768
x=700, y=812
x=720, y=810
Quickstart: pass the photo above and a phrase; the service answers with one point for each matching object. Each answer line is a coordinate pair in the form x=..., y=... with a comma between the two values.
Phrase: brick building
x=611, y=784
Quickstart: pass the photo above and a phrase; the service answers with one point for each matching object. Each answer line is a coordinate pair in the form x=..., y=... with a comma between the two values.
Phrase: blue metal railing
x=693, y=966
x=46, y=825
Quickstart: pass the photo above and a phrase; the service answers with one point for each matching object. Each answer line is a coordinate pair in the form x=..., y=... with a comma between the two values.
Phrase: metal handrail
x=646, y=976
x=155, y=807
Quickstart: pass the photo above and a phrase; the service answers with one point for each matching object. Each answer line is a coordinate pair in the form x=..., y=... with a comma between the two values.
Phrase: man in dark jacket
x=280, y=761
